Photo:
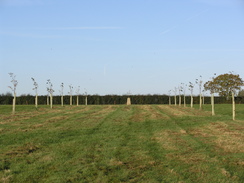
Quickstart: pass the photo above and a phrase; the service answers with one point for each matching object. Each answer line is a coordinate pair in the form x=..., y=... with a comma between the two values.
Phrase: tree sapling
x=15, y=83
x=35, y=88
x=50, y=91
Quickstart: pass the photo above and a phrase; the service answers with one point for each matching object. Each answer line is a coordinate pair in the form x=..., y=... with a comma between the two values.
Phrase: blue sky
x=113, y=47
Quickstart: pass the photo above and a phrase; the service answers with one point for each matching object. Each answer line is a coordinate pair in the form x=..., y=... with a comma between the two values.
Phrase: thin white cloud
x=168, y=30
x=33, y=35
x=80, y=28
x=15, y=34
x=186, y=20
x=196, y=15
x=20, y=2
x=46, y=36
x=202, y=50
x=225, y=3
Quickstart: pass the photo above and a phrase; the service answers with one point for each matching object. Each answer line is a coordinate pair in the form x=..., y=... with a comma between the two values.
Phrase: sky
x=118, y=47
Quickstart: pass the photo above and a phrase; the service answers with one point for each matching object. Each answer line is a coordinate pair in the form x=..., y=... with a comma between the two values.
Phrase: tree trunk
x=184, y=100
x=175, y=99
x=62, y=100
x=191, y=101
x=169, y=100
x=77, y=100
x=86, y=100
x=233, y=106
x=36, y=101
x=51, y=101
x=212, y=103
x=179, y=100
x=200, y=102
x=47, y=100
x=70, y=100
x=14, y=102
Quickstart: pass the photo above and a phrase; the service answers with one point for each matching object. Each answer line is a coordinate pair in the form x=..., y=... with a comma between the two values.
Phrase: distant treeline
x=111, y=99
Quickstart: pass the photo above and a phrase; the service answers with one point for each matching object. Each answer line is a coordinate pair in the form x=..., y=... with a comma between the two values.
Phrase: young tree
x=184, y=92
x=180, y=90
x=210, y=85
x=77, y=95
x=169, y=97
x=233, y=104
x=191, y=87
x=199, y=82
x=50, y=91
x=203, y=101
x=15, y=83
x=226, y=83
x=70, y=93
x=35, y=88
x=175, y=91
x=47, y=98
x=62, y=94
x=85, y=97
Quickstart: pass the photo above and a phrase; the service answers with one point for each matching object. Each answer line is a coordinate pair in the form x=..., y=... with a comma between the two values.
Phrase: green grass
x=118, y=143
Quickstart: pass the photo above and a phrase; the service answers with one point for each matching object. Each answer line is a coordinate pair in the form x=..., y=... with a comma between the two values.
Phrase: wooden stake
x=212, y=103
x=233, y=106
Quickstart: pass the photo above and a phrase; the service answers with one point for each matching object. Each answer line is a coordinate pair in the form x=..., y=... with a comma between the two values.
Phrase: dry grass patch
x=199, y=133
x=173, y=110
x=37, y=126
x=92, y=118
x=102, y=112
x=177, y=111
x=6, y=178
x=139, y=116
x=89, y=112
x=231, y=141
x=189, y=158
x=22, y=150
x=147, y=112
x=105, y=110
x=127, y=108
x=75, y=110
x=228, y=140
x=56, y=119
x=138, y=161
x=181, y=149
x=115, y=162
x=170, y=140
x=46, y=158
x=21, y=116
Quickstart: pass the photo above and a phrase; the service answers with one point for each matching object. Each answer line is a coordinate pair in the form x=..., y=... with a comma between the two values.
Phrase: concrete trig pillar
x=128, y=101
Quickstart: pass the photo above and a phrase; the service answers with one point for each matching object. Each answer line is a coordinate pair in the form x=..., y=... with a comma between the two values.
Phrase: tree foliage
x=35, y=85
x=241, y=93
x=211, y=86
x=14, y=82
x=224, y=84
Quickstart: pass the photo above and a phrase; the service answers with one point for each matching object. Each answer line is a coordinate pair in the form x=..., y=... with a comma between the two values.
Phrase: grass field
x=118, y=143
